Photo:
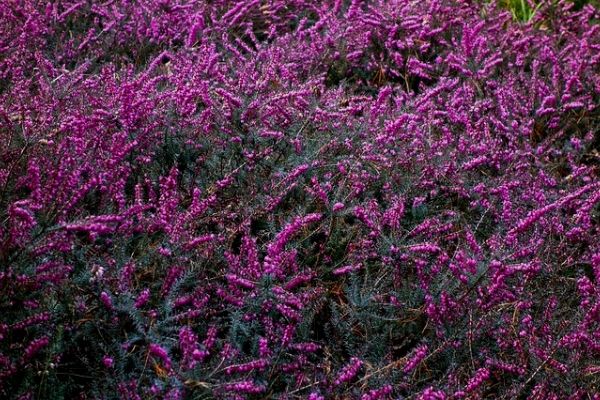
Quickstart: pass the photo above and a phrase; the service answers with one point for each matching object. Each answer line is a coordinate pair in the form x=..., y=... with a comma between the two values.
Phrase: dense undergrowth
x=299, y=199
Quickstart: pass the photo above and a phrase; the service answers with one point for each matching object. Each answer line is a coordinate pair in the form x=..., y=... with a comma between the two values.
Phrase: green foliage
x=522, y=10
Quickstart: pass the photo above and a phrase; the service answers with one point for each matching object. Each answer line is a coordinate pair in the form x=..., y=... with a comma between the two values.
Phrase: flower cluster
x=349, y=371
x=299, y=199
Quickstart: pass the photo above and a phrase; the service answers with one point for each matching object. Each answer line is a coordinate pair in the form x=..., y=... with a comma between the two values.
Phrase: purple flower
x=415, y=359
x=108, y=362
x=160, y=353
x=349, y=371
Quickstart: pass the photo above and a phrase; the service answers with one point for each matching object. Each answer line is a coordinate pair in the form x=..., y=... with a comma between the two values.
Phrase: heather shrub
x=299, y=199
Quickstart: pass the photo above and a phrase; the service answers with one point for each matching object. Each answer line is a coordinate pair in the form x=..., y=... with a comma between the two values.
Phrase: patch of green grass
x=524, y=11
